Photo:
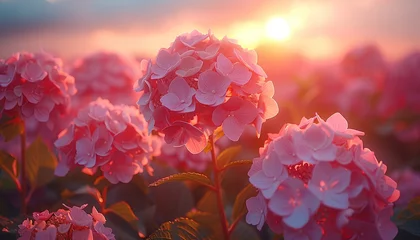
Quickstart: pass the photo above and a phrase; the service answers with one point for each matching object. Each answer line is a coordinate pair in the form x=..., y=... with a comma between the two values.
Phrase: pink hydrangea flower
x=318, y=182
x=106, y=75
x=193, y=86
x=71, y=223
x=110, y=137
x=35, y=88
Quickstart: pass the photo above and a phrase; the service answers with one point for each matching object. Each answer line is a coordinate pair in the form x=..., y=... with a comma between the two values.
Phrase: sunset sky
x=319, y=29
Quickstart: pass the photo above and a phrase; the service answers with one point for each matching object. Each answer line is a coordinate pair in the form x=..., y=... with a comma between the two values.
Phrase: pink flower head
x=319, y=182
x=112, y=137
x=105, y=75
x=195, y=76
x=70, y=223
x=35, y=88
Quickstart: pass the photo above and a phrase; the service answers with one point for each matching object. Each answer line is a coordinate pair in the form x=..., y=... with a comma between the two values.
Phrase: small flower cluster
x=316, y=180
x=107, y=75
x=34, y=85
x=73, y=223
x=112, y=137
x=200, y=83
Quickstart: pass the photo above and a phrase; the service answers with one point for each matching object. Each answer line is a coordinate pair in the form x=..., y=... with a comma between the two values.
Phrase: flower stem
x=218, y=189
x=23, y=179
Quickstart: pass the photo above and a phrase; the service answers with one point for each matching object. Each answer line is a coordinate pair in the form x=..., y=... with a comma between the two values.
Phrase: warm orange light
x=277, y=29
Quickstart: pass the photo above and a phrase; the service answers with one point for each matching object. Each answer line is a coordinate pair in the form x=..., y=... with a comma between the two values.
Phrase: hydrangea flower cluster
x=71, y=223
x=107, y=75
x=316, y=180
x=200, y=83
x=113, y=138
x=34, y=85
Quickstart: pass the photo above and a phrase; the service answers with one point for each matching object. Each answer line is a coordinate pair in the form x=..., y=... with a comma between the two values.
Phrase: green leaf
x=207, y=220
x=208, y=202
x=124, y=211
x=8, y=164
x=10, y=127
x=227, y=155
x=237, y=163
x=180, y=229
x=239, y=207
x=40, y=163
x=192, y=176
x=83, y=190
x=141, y=183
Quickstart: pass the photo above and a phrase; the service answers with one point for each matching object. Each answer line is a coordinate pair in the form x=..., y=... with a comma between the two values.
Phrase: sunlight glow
x=277, y=29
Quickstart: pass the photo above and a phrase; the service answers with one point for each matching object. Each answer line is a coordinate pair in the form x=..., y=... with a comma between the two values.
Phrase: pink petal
x=212, y=82
x=232, y=128
x=189, y=66
x=171, y=101
x=261, y=180
x=193, y=38
x=43, y=110
x=240, y=74
x=249, y=59
x=210, y=51
x=336, y=200
x=246, y=113
x=33, y=72
x=337, y=122
x=158, y=72
x=273, y=167
x=298, y=218
x=103, y=141
x=65, y=137
x=167, y=61
x=223, y=65
x=219, y=115
x=279, y=203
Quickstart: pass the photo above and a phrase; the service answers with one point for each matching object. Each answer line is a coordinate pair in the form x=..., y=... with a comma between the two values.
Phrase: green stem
x=23, y=179
x=218, y=190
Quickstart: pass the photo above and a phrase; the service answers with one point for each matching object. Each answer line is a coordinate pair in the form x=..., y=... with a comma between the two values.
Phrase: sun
x=277, y=29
